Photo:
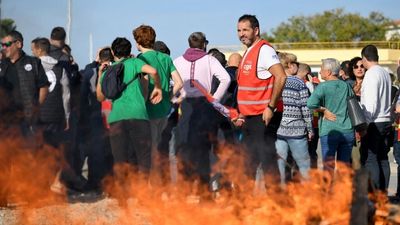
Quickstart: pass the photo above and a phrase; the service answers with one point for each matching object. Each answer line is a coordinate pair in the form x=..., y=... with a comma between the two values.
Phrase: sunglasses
x=356, y=66
x=7, y=44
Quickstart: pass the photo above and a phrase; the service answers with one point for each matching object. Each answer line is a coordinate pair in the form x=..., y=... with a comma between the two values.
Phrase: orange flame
x=26, y=176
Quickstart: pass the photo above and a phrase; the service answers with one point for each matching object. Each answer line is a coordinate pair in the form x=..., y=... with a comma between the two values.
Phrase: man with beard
x=261, y=79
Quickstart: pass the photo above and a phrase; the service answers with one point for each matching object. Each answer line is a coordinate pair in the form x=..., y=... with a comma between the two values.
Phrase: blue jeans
x=336, y=144
x=299, y=150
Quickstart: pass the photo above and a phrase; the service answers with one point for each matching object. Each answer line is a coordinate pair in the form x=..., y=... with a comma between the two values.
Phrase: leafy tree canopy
x=7, y=25
x=334, y=25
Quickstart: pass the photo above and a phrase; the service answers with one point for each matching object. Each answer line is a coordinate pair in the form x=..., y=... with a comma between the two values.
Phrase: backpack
x=113, y=84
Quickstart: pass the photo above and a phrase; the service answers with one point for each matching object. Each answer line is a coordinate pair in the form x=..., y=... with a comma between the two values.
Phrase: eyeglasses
x=7, y=44
x=356, y=66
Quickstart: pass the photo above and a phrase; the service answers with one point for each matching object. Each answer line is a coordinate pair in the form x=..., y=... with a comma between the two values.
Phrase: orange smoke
x=320, y=200
x=26, y=176
x=26, y=172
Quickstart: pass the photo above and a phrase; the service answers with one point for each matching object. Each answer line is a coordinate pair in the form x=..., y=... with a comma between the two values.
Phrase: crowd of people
x=280, y=110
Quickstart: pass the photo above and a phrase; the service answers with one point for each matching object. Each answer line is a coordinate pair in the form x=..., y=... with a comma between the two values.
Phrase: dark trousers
x=29, y=133
x=53, y=133
x=95, y=145
x=163, y=146
x=71, y=172
x=195, y=133
x=374, y=153
x=131, y=143
x=396, y=154
x=229, y=131
x=312, y=149
x=259, y=142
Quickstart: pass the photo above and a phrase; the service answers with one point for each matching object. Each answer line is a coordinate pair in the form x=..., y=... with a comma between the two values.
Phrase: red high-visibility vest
x=254, y=94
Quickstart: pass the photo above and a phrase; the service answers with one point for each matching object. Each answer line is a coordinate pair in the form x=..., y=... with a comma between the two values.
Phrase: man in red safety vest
x=261, y=79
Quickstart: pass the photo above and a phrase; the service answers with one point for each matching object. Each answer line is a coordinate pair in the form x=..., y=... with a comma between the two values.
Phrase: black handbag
x=356, y=113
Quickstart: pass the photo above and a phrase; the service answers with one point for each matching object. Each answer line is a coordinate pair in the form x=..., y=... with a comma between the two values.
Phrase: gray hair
x=332, y=65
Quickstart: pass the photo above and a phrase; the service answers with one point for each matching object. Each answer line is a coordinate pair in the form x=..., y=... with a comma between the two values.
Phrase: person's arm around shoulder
x=156, y=94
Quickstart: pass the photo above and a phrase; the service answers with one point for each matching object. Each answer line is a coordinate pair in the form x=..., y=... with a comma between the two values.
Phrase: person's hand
x=329, y=115
x=267, y=115
x=177, y=100
x=103, y=67
x=66, y=125
x=362, y=132
x=310, y=136
x=397, y=108
x=156, y=95
x=358, y=136
x=239, y=121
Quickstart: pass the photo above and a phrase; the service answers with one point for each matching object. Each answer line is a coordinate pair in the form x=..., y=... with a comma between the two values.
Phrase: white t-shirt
x=375, y=94
x=266, y=59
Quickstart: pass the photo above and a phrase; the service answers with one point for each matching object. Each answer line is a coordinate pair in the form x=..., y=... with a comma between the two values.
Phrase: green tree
x=7, y=25
x=333, y=25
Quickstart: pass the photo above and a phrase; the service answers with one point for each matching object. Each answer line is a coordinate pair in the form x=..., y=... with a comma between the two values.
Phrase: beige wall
x=388, y=58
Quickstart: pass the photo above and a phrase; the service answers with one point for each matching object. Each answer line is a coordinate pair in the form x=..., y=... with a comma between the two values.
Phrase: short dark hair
x=42, y=44
x=105, y=54
x=145, y=36
x=219, y=56
x=58, y=34
x=252, y=19
x=212, y=51
x=197, y=40
x=370, y=52
x=344, y=65
x=121, y=47
x=161, y=47
x=16, y=35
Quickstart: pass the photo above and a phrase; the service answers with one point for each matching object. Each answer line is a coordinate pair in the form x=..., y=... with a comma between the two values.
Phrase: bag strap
x=396, y=96
x=350, y=92
x=134, y=78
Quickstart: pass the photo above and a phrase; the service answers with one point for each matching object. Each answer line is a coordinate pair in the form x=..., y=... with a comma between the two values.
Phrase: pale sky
x=173, y=20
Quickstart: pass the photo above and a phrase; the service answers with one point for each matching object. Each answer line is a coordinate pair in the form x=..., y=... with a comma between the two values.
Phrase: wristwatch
x=273, y=109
